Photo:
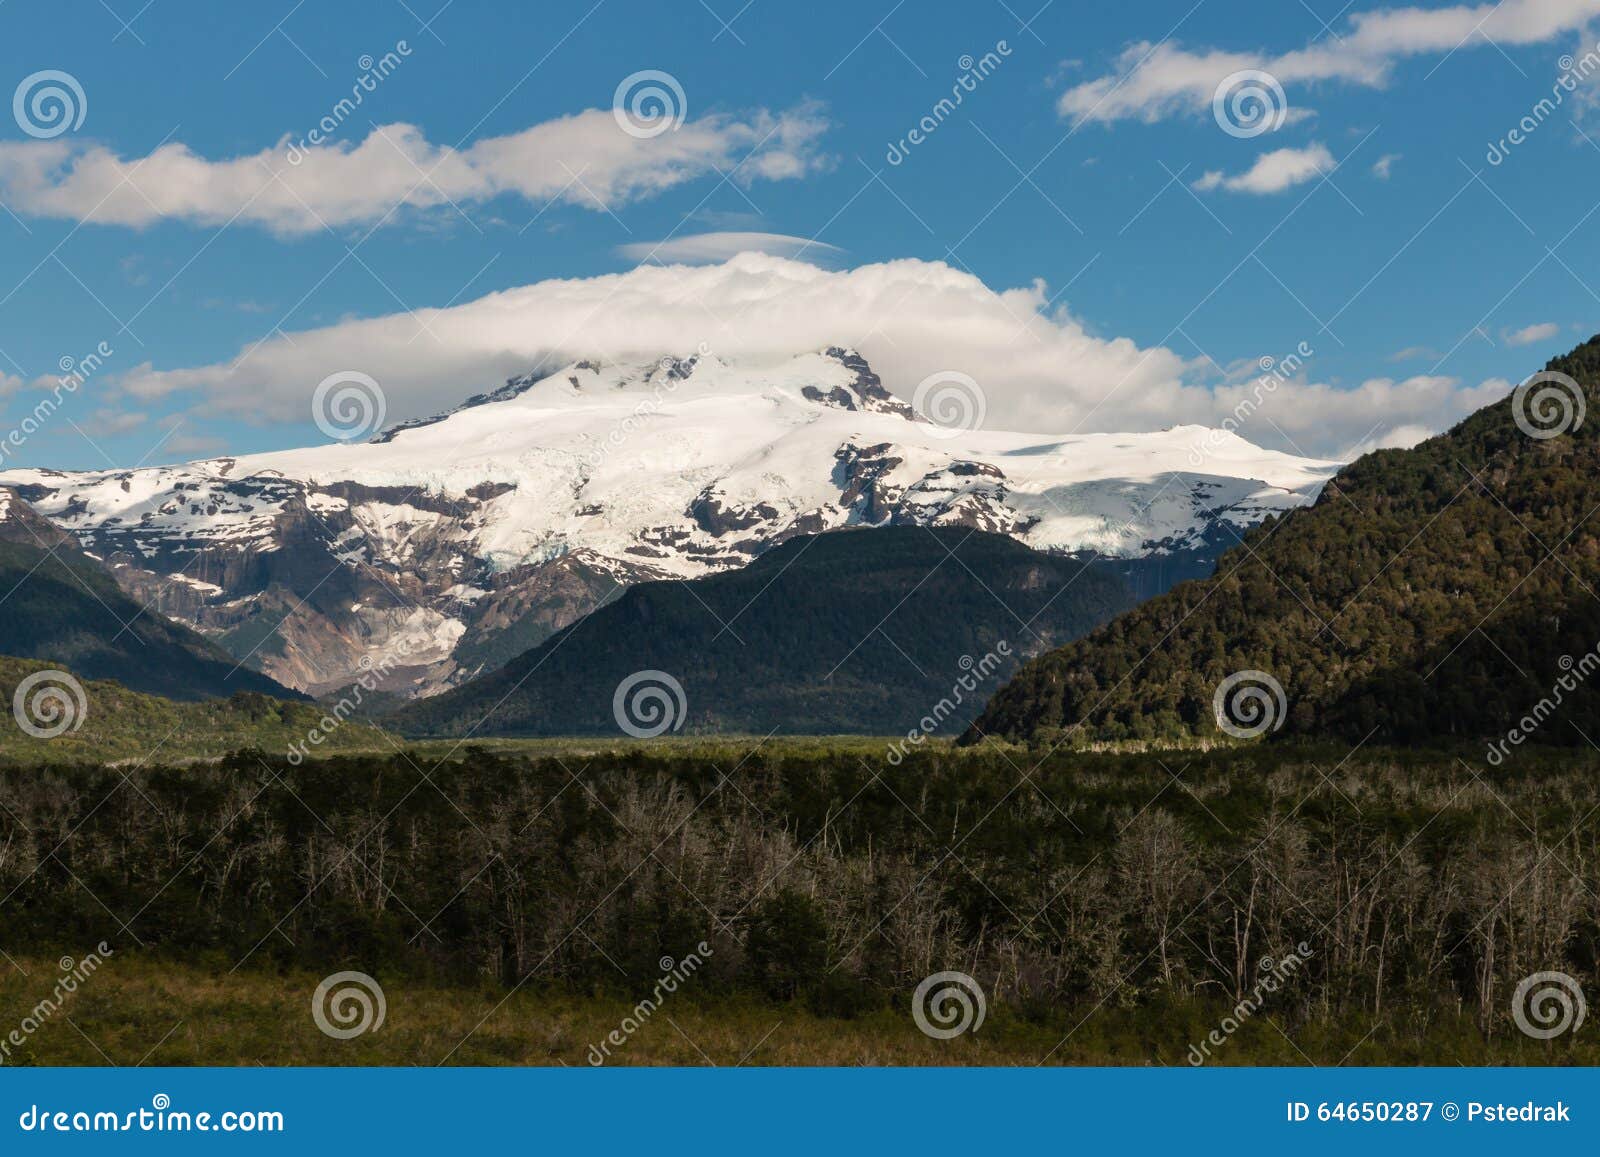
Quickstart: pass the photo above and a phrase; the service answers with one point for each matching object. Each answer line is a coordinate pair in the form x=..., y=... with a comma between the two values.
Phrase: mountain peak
x=442, y=534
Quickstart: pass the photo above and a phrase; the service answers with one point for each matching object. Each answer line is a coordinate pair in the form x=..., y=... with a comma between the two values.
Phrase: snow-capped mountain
x=447, y=545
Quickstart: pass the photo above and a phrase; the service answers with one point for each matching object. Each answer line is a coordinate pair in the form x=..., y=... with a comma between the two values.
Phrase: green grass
x=139, y=1009
x=123, y=726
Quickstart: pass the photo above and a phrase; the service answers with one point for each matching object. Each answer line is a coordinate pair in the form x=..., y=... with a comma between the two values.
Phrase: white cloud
x=1400, y=438
x=1040, y=368
x=1382, y=166
x=704, y=248
x=585, y=159
x=1378, y=414
x=1529, y=334
x=107, y=422
x=1154, y=81
x=43, y=383
x=181, y=446
x=1274, y=172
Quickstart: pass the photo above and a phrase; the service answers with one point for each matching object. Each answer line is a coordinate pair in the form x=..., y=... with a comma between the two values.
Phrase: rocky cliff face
x=20, y=523
x=62, y=608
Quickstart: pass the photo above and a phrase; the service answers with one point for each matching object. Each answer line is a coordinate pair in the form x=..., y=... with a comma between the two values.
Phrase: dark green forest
x=1089, y=890
x=1435, y=593
x=63, y=607
x=849, y=632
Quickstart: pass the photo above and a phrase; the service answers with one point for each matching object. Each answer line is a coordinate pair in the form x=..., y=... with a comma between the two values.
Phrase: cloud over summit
x=1041, y=369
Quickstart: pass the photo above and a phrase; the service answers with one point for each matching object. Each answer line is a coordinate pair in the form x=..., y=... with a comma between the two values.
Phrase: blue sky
x=1369, y=227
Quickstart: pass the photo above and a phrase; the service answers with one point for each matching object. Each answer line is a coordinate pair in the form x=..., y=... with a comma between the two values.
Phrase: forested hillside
x=852, y=631
x=1434, y=593
x=60, y=606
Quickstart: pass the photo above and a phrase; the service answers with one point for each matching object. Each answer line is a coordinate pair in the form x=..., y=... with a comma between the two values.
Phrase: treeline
x=1421, y=890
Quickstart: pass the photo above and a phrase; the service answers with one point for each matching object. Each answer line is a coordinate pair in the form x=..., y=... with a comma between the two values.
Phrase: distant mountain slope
x=119, y=724
x=851, y=631
x=456, y=542
x=1433, y=593
x=60, y=606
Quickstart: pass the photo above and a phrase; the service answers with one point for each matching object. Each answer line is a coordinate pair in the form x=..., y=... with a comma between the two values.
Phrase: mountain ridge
x=546, y=497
